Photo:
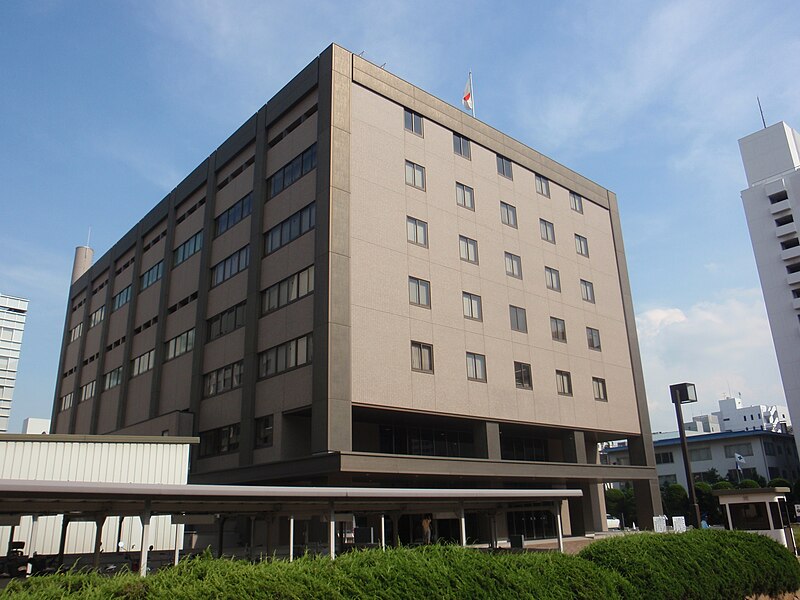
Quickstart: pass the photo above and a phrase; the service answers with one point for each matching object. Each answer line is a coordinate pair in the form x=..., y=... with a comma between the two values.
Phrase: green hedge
x=699, y=564
x=703, y=564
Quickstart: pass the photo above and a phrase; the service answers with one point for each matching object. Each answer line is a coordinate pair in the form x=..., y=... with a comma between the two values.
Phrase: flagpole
x=472, y=91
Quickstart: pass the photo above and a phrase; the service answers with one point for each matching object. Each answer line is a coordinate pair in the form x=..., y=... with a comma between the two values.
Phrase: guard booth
x=759, y=510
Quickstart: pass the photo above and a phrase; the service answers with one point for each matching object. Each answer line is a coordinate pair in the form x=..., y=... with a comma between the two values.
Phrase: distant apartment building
x=734, y=415
x=771, y=160
x=765, y=453
x=366, y=286
x=13, y=311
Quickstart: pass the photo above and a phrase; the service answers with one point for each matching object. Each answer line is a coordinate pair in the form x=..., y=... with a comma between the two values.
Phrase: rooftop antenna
x=761, y=110
x=383, y=65
x=361, y=53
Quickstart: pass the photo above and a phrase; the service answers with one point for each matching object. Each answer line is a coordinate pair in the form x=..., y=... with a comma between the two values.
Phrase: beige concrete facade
x=355, y=412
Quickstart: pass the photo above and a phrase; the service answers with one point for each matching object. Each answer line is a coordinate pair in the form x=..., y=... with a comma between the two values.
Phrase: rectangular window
x=664, y=458
x=552, y=279
x=180, y=344
x=112, y=379
x=522, y=376
x=288, y=290
x=421, y=357
x=504, y=167
x=745, y=449
x=413, y=122
x=513, y=265
x=415, y=175
x=188, y=248
x=284, y=177
x=143, y=363
x=472, y=306
x=465, y=196
x=519, y=321
x=564, y=383
x=66, y=402
x=97, y=316
x=233, y=215
x=581, y=245
x=226, y=321
x=223, y=379
x=543, y=186
x=152, y=275
x=508, y=215
x=548, y=231
x=286, y=356
x=558, y=329
x=235, y=263
x=599, y=387
x=219, y=441
x=587, y=291
x=468, y=249
x=476, y=367
x=417, y=231
x=575, y=202
x=461, y=146
x=419, y=292
x=87, y=391
x=697, y=454
x=264, y=431
x=121, y=299
x=593, y=338
x=289, y=230
x=75, y=332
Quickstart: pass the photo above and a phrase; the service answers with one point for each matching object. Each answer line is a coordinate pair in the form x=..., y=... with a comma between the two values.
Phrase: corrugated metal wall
x=106, y=462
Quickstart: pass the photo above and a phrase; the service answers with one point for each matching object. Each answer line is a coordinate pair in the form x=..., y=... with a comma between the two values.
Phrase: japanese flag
x=467, y=99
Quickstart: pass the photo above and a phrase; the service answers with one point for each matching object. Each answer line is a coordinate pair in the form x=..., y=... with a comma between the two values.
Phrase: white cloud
x=722, y=345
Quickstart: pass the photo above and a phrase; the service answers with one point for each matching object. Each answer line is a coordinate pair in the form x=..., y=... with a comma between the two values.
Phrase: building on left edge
x=13, y=311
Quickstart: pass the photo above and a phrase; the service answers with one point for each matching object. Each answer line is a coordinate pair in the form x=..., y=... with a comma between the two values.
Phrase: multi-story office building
x=771, y=160
x=734, y=415
x=363, y=285
x=12, y=325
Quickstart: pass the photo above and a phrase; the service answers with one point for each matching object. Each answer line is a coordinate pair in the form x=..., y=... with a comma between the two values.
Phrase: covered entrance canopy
x=95, y=501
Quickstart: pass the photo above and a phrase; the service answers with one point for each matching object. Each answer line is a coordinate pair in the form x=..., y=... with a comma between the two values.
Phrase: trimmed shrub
x=425, y=572
x=747, y=484
x=723, y=485
x=707, y=564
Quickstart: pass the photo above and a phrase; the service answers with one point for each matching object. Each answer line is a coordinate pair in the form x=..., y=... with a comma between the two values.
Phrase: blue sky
x=106, y=106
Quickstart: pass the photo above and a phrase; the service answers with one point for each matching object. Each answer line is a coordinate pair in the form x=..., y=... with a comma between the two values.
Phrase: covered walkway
x=212, y=504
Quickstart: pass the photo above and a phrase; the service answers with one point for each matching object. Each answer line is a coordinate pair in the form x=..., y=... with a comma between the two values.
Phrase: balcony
x=796, y=303
x=790, y=253
x=786, y=229
x=779, y=207
x=793, y=278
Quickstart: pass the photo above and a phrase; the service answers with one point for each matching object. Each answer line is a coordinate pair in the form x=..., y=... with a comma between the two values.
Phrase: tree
x=675, y=500
x=712, y=476
x=621, y=504
x=709, y=507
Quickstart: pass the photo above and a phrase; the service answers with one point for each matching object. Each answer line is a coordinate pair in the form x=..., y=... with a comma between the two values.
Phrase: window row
x=300, y=165
x=241, y=210
x=112, y=379
x=288, y=290
x=235, y=263
x=97, y=316
x=289, y=230
x=75, y=332
x=180, y=344
x=121, y=299
x=152, y=275
x=223, y=379
x=224, y=440
x=188, y=248
x=286, y=356
x=87, y=391
x=143, y=363
x=422, y=361
x=226, y=321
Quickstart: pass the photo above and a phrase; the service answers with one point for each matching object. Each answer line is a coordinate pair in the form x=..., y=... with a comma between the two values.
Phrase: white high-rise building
x=12, y=323
x=771, y=160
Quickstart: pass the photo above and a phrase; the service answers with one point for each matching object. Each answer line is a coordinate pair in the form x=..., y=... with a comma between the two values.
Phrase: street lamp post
x=685, y=393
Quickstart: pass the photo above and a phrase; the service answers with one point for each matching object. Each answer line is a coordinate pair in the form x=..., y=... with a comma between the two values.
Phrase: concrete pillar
x=332, y=534
x=291, y=538
x=557, y=510
x=383, y=531
x=62, y=541
x=220, y=535
x=34, y=531
x=395, y=529
x=98, y=537
x=177, y=555
x=463, y=525
x=252, y=537
x=145, y=541
x=648, y=501
x=493, y=529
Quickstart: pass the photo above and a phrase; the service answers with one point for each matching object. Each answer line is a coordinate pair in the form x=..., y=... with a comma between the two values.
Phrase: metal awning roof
x=20, y=497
